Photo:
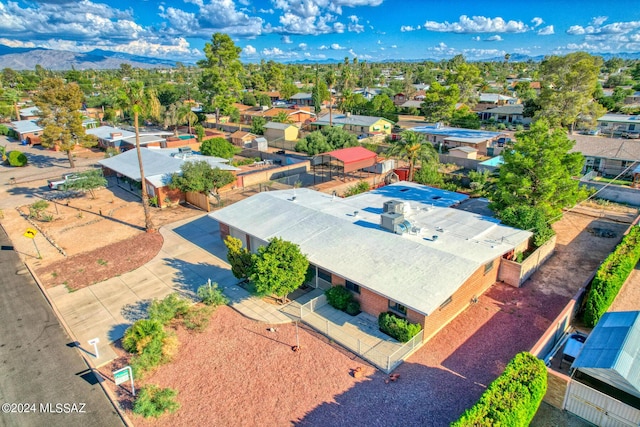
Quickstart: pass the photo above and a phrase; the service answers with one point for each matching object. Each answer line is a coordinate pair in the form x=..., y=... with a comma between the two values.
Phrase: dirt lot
x=255, y=379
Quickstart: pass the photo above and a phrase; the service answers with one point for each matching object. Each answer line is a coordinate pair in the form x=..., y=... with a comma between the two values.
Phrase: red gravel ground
x=87, y=268
x=239, y=374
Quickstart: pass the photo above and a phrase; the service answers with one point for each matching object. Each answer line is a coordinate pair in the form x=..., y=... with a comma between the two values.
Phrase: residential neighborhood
x=352, y=243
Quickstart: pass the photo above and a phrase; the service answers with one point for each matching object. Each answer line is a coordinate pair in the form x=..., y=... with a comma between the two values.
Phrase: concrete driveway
x=191, y=254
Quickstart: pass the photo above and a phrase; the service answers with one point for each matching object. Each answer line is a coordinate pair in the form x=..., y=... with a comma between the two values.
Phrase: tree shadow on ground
x=44, y=161
x=421, y=395
x=136, y=311
x=190, y=276
x=117, y=331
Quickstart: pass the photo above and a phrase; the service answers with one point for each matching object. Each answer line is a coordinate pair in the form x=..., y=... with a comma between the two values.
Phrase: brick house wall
x=476, y=285
x=174, y=196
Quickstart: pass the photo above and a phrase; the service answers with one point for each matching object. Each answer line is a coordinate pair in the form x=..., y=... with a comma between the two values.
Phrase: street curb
x=110, y=395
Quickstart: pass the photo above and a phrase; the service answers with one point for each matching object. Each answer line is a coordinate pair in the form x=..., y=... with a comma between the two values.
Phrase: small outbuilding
x=464, y=152
x=605, y=383
x=344, y=160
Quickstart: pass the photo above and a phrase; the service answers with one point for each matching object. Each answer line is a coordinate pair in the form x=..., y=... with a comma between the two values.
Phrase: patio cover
x=353, y=158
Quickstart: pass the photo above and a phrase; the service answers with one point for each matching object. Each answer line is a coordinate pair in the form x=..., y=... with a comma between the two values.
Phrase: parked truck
x=60, y=184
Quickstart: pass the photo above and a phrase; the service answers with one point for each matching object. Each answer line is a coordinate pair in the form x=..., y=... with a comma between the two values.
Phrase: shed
x=280, y=132
x=605, y=384
x=464, y=152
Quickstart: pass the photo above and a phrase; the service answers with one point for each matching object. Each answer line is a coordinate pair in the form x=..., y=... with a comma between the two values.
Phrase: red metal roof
x=352, y=154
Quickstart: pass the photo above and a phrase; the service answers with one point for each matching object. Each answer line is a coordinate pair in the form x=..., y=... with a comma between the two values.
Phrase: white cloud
x=249, y=50
x=354, y=26
x=323, y=47
x=16, y=43
x=268, y=11
x=286, y=39
x=616, y=36
x=546, y=31
x=476, y=38
x=272, y=52
x=477, y=24
x=393, y=46
x=336, y=46
x=576, y=30
x=406, y=28
x=537, y=21
x=599, y=20
x=303, y=46
x=494, y=38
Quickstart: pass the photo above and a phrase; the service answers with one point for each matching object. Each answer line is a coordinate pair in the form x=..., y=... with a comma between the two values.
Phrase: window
x=398, y=308
x=324, y=275
x=488, y=267
x=352, y=287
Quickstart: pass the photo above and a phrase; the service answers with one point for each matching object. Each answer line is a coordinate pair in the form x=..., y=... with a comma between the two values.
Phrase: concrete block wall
x=557, y=384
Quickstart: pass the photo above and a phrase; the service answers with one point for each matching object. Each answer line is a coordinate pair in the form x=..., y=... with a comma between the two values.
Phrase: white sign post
x=94, y=342
x=123, y=375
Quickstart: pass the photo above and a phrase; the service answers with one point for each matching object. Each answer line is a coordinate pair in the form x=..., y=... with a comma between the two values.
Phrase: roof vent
x=393, y=206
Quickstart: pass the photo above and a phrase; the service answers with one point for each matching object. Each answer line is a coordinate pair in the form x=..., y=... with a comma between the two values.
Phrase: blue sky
x=291, y=30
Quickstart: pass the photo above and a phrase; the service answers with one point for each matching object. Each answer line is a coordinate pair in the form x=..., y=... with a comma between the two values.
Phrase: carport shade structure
x=348, y=159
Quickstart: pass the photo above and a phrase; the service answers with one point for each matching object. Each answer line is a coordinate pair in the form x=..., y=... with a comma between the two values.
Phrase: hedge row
x=397, y=327
x=513, y=398
x=611, y=275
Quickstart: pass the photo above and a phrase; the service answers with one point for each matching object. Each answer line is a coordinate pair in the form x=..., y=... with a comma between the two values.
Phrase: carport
x=345, y=160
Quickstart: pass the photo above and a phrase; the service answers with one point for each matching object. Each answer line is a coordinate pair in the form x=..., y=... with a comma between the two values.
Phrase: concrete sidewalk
x=191, y=254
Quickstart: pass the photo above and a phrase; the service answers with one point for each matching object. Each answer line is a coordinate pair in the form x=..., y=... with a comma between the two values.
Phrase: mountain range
x=97, y=59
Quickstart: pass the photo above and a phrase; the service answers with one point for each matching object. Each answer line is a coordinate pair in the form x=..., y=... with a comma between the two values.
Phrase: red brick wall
x=175, y=196
x=475, y=286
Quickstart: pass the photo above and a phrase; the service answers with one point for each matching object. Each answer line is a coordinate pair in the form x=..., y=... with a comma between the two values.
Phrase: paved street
x=20, y=186
x=37, y=364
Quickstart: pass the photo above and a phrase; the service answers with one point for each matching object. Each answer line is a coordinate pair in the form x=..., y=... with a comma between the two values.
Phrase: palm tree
x=172, y=117
x=412, y=146
x=187, y=115
x=330, y=78
x=282, y=117
x=135, y=98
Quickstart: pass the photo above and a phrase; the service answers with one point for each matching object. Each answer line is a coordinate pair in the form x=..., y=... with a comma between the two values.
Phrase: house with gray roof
x=356, y=124
x=607, y=156
x=24, y=130
x=506, y=114
x=400, y=248
x=617, y=124
x=159, y=165
x=605, y=383
x=450, y=137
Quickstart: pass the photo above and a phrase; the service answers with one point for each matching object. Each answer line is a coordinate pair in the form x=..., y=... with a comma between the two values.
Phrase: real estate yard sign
x=123, y=375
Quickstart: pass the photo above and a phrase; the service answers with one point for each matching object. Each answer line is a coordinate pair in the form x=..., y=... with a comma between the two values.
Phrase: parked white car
x=60, y=184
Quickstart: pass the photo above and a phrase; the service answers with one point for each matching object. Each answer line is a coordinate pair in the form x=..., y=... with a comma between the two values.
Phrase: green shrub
x=141, y=333
x=210, y=294
x=153, y=401
x=397, y=327
x=197, y=319
x=159, y=350
x=338, y=297
x=37, y=209
x=361, y=187
x=611, y=275
x=169, y=308
x=18, y=159
x=513, y=398
x=353, y=308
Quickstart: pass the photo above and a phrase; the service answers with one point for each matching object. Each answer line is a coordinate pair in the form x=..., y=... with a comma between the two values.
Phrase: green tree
x=172, y=117
x=412, y=147
x=89, y=180
x=239, y=258
x=278, y=268
x=382, y=104
x=440, y=102
x=330, y=80
x=220, y=80
x=199, y=176
x=282, y=117
x=61, y=121
x=465, y=118
x=288, y=90
x=319, y=94
x=466, y=77
x=568, y=85
x=218, y=147
x=248, y=98
x=135, y=98
x=537, y=172
x=257, y=125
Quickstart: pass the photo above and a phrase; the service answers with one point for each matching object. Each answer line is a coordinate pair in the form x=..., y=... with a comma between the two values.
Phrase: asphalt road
x=40, y=371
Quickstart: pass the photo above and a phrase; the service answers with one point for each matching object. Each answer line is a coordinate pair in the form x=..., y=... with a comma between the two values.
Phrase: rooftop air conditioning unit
x=393, y=206
x=394, y=223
